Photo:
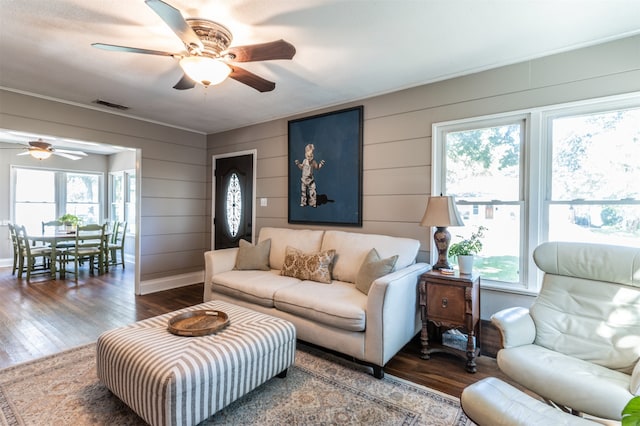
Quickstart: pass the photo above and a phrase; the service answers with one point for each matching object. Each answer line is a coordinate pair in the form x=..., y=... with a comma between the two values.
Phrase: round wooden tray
x=198, y=323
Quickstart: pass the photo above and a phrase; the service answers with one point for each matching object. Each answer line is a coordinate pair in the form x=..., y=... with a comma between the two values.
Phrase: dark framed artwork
x=325, y=168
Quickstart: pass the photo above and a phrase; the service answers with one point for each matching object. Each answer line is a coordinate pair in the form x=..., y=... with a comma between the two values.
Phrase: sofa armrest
x=393, y=314
x=215, y=262
x=516, y=326
x=634, y=386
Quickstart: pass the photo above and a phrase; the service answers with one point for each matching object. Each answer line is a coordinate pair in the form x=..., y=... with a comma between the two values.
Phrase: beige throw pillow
x=314, y=267
x=373, y=268
x=253, y=257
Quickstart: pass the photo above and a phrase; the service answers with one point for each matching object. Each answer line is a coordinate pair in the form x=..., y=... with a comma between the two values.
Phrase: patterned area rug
x=320, y=389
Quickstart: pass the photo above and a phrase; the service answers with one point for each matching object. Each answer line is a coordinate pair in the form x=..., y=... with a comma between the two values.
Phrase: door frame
x=254, y=155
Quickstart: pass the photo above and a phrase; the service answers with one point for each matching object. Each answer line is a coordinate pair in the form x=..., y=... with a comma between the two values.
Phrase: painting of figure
x=325, y=168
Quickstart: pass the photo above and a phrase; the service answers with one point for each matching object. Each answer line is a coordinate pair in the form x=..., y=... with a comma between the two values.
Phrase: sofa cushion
x=303, y=239
x=373, y=268
x=253, y=257
x=338, y=305
x=312, y=266
x=352, y=248
x=254, y=286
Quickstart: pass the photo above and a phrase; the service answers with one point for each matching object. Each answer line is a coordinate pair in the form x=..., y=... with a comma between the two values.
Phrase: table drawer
x=446, y=303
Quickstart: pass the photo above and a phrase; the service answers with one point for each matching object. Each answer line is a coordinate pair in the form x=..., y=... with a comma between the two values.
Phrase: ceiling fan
x=42, y=150
x=208, y=59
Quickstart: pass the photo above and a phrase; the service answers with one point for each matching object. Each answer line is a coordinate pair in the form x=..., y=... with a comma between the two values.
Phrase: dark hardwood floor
x=48, y=316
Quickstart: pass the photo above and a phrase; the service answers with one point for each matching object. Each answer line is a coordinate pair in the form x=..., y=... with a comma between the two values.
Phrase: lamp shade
x=205, y=70
x=441, y=211
x=40, y=154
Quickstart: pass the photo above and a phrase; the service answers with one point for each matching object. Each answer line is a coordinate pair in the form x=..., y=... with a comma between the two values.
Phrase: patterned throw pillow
x=373, y=268
x=253, y=257
x=314, y=267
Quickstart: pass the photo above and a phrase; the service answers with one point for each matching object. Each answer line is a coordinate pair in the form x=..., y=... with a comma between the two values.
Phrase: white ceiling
x=346, y=50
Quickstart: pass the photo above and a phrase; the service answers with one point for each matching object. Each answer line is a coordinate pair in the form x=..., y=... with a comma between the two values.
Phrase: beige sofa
x=579, y=343
x=370, y=327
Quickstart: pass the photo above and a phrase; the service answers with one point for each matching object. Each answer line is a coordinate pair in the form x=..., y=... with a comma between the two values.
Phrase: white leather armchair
x=579, y=343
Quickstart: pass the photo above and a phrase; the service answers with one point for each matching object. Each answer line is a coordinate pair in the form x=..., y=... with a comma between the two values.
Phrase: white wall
x=9, y=157
x=175, y=165
x=397, y=135
x=172, y=174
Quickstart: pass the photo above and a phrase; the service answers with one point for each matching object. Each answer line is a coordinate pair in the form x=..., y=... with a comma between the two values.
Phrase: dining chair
x=28, y=255
x=16, y=249
x=56, y=225
x=116, y=244
x=89, y=244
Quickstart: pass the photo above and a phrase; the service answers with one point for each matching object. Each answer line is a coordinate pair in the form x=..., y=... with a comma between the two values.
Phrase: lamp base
x=442, y=238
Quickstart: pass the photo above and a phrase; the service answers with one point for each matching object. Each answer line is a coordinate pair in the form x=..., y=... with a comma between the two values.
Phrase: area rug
x=320, y=389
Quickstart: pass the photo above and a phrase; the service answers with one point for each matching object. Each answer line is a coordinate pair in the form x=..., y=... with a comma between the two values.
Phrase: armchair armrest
x=634, y=386
x=393, y=314
x=215, y=262
x=516, y=326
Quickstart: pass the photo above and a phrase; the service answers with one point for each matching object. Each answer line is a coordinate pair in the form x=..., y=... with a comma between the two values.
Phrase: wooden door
x=233, y=208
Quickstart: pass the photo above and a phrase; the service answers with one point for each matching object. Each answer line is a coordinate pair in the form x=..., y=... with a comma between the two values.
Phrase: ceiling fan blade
x=251, y=79
x=185, y=83
x=279, y=49
x=117, y=48
x=72, y=152
x=65, y=155
x=174, y=19
x=24, y=153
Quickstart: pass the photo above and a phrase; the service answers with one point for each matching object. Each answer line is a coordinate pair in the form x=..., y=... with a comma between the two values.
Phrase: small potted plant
x=70, y=221
x=465, y=249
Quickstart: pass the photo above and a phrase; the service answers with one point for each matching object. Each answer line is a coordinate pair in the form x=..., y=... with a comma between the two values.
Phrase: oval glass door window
x=234, y=205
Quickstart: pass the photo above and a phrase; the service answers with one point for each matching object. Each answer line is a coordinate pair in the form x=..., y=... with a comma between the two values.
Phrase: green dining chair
x=56, y=226
x=89, y=245
x=16, y=250
x=28, y=255
x=116, y=244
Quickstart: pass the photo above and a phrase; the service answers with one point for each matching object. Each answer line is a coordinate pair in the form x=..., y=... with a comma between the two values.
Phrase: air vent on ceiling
x=110, y=105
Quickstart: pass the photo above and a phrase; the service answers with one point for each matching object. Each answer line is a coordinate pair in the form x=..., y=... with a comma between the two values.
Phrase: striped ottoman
x=174, y=380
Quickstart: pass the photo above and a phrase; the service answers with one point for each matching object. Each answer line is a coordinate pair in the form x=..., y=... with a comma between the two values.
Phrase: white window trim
x=60, y=199
x=536, y=185
x=126, y=201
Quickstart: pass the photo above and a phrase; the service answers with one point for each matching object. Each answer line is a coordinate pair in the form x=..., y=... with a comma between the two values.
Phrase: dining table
x=54, y=238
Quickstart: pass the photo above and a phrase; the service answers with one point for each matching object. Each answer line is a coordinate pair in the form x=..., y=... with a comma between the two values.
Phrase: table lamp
x=441, y=212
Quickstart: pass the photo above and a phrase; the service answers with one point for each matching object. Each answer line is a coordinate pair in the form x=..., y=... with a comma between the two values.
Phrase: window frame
x=60, y=188
x=438, y=179
x=128, y=207
x=535, y=172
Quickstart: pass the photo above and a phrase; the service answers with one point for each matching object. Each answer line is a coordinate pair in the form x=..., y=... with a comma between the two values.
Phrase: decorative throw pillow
x=253, y=257
x=314, y=267
x=373, y=268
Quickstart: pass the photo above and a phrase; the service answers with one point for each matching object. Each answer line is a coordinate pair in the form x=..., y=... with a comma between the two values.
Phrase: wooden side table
x=451, y=302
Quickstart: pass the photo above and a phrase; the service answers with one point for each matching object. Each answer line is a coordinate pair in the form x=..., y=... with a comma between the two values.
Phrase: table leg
x=54, y=258
x=424, y=333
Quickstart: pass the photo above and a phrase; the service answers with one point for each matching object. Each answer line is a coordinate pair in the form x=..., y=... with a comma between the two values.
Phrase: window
x=123, y=198
x=483, y=172
x=42, y=195
x=594, y=191
x=557, y=173
x=234, y=205
x=35, y=198
x=83, y=196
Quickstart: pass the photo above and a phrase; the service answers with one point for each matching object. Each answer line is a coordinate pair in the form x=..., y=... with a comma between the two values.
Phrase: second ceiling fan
x=208, y=58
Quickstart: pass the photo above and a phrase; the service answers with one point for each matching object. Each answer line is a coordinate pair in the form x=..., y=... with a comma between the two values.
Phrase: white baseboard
x=168, y=283
x=6, y=262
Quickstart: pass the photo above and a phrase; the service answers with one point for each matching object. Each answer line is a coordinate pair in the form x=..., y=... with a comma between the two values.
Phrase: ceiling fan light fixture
x=206, y=71
x=40, y=154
